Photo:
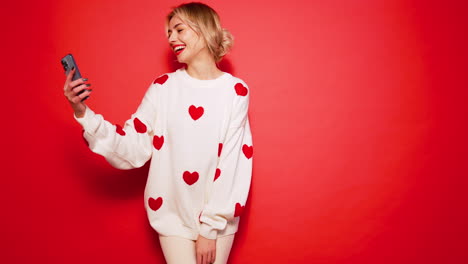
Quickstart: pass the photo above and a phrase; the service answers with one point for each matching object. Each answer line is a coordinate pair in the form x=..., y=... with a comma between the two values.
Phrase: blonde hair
x=205, y=22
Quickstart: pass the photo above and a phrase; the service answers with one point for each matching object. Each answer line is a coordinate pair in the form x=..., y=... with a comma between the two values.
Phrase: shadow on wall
x=104, y=181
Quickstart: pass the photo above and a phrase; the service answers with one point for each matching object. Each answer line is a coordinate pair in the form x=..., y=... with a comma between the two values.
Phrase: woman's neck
x=203, y=70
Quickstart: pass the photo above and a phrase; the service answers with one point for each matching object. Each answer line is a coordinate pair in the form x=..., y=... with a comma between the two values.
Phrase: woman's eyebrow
x=177, y=25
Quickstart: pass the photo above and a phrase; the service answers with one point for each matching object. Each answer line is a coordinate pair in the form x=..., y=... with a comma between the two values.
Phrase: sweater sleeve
x=124, y=148
x=233, y=174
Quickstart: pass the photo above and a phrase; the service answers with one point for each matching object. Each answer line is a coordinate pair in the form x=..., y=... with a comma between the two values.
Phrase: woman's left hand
x=206, y=250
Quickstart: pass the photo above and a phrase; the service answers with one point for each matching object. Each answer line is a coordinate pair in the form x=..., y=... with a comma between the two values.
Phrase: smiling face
x=186, y=44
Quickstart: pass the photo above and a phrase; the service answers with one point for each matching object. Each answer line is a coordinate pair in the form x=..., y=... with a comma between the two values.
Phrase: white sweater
x=198, y=137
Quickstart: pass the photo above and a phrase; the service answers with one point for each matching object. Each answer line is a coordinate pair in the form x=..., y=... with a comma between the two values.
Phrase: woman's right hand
x=71, y=90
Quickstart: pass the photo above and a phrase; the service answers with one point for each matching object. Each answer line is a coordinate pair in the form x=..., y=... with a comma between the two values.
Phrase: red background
x=358, y=111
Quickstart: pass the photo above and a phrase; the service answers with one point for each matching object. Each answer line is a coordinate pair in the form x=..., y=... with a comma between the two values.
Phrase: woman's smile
x=178, y=49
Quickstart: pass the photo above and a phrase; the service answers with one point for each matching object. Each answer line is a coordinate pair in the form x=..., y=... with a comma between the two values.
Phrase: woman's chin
x=183, y=59
x=180, y=60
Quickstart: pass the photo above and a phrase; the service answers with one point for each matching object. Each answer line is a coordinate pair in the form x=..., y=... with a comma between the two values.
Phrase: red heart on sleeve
x=155, y=204
x=158, y=142
x=139, y=126
x=119, y=130
x=241, y=89
x=161, y=80
x=239, y=210
x=217, y=174
x=248, y=151
x=220, y=147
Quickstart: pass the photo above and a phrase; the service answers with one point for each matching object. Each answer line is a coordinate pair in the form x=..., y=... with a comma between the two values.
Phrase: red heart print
x=155, y=204
x=161, y=80
x=158, y=142
x=217, y=174
x=195, y=112
x=190, y=178
x=241, y=89
x=248, y=151
x=82, y=135
x=119, y=130
x=139, y=126
x=220, y=147
x=239, y=210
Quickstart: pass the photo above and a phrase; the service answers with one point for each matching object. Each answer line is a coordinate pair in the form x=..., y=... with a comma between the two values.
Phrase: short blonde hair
x=205, y=22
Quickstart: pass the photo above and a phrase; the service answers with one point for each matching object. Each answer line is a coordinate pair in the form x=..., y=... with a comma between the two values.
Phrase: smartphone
x=68, y=62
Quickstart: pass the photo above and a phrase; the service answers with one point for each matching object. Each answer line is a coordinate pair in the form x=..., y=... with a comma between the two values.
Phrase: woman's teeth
x=179, y=48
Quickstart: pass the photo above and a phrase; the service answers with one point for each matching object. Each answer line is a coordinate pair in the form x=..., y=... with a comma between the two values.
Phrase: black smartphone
x=68, y=62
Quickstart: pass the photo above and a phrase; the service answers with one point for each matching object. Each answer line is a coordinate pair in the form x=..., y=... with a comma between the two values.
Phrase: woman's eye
x=179, y=30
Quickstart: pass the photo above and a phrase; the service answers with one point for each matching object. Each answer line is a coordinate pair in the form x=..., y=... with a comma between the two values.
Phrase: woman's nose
x=172, y=37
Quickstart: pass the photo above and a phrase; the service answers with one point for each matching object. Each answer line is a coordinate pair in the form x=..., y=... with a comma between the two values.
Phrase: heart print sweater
x=197, y=135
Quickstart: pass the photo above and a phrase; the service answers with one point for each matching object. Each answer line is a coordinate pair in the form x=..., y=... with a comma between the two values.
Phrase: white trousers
x=179, y=250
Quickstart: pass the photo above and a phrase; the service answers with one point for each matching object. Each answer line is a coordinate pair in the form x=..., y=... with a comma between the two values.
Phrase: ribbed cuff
x=86, y=120
x=208, y=232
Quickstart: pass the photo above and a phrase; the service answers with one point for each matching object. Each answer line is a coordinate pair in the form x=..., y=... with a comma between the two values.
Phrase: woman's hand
x=206, y=250
x=71, y=90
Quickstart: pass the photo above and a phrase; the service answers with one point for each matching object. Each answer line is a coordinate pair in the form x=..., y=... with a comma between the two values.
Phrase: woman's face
x=184, y=41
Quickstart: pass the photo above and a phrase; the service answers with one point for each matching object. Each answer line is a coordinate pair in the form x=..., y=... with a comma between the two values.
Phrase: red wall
x=358, y=111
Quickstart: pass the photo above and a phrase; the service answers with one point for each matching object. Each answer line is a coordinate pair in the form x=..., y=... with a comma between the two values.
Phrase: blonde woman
x=193, y=125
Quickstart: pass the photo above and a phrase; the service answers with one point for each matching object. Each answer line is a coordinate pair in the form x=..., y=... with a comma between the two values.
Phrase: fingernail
x=85, y=79
x=90, y=90
x=88, y=84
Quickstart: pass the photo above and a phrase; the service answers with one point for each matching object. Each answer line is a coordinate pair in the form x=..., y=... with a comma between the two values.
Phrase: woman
x=194, y=126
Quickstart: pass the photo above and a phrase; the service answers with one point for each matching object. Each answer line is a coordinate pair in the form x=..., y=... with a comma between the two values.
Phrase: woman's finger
x=79, y=88
x=69, y=78
x=199, y=258
x=80, y=97
x=85, y=93
x=76, y=90
x=77, y=82
x=213, y=256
